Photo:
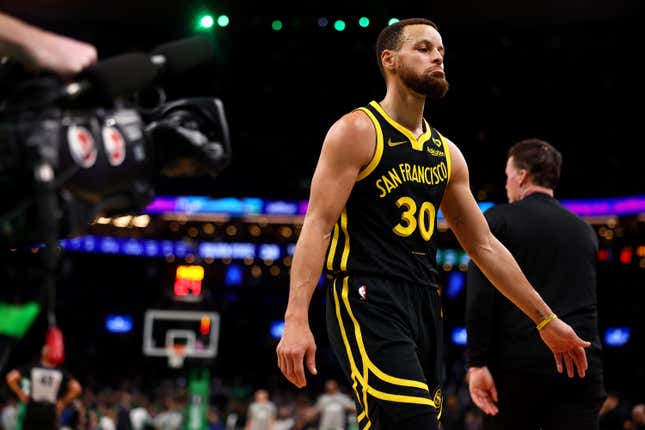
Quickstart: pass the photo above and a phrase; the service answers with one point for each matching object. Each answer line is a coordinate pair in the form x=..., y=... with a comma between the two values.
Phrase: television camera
x=73, y=151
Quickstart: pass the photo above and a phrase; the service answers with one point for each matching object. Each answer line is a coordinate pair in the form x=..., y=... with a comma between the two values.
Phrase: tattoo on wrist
x=541, y=314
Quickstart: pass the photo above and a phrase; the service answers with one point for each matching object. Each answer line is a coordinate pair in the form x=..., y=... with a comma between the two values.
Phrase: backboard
x=192, y=333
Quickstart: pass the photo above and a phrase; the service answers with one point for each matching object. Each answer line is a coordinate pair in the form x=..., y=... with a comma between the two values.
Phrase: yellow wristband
x=545, y=321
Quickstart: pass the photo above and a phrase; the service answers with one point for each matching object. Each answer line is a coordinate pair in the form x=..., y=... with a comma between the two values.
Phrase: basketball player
x=382, y=176
x=46, y=382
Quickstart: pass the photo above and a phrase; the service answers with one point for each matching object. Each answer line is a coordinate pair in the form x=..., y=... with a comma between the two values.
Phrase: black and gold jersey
x=388, y=225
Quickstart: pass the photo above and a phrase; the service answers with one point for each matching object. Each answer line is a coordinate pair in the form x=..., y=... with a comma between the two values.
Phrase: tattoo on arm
x=458, y=221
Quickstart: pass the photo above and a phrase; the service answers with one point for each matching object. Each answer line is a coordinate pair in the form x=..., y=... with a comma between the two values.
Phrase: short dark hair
x=541, y=160
x=390, y=37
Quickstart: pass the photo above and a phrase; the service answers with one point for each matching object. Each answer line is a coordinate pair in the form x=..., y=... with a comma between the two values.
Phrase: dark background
x=565, y=71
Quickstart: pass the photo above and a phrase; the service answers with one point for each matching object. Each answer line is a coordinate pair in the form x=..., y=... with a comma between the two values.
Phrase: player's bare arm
x=470, y=227
x=495, y=261
x=348, y=146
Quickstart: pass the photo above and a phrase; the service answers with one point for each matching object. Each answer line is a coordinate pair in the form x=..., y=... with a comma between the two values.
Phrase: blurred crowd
x=242, y=407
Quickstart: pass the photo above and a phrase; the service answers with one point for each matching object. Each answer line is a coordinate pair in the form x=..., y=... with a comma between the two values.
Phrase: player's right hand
x=297, y=344
x=567, y=347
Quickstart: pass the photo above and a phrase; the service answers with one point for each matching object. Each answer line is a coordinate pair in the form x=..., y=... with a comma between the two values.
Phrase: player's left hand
x=566, y=346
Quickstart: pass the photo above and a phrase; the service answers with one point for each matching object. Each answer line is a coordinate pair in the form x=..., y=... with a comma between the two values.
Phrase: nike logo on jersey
x=437, y=141
x=390, y=143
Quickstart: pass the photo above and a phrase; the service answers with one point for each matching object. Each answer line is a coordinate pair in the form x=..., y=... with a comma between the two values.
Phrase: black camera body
x=68, y=159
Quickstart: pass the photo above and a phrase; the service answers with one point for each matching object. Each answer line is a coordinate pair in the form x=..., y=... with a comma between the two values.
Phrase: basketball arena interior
x=219, y=247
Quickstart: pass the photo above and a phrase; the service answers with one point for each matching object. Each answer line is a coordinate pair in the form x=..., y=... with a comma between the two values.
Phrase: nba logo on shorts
x=362, y=291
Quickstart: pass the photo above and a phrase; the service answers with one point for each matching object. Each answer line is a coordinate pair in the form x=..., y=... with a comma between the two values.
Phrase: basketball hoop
x=176, y=335
x=176, y=354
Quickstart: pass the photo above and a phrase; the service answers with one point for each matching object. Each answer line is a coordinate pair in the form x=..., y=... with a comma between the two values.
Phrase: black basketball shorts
x=388, y=337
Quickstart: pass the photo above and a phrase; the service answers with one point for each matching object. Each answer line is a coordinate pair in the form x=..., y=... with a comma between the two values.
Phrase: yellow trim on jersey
x=401, y=398
x=378, y=152
x=332, y=248
x=366, y=374
x=356, y=376
x=417, y=144
x=343, y=226
x=425, y=136
x=446, y=149
x=369, y=366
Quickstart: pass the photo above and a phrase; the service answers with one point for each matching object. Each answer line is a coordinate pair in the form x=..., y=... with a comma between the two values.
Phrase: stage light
x=276, y=329
x=456, y=283
x=141, y=221
x=233, y=275
x=617, y=336
x=640, y=251
x=364, y=21
x=269, y=251
x=449, y=258
x=392, y=21
x=626, y=255
x=118, y=323
x=223, y=20
x=603, y=255
x=205, y=22
x=459, y=336
x=276, y=25
x=339, y=25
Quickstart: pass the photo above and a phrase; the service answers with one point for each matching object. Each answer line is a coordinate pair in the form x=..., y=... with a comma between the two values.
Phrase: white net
x=176, y=355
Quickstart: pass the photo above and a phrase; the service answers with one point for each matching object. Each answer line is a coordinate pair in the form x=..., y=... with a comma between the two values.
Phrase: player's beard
x=433, y=87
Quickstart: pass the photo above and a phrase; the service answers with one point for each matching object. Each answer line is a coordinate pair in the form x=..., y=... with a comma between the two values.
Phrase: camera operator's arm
x=38, y=49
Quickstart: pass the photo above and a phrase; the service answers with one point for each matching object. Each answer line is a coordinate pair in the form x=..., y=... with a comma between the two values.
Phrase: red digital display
x=188, y=281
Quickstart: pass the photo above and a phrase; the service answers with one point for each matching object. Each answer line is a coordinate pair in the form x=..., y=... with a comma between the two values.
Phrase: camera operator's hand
x=38, y=49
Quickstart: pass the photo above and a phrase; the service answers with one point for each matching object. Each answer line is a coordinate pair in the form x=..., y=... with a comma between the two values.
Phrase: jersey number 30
x=410, y=219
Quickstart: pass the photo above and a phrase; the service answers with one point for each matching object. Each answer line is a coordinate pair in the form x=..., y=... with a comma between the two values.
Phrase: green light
x=339, y=25
x=276, y=25
x=223, y=20
x=206, y=21
x=364, y=21
x=392, y=21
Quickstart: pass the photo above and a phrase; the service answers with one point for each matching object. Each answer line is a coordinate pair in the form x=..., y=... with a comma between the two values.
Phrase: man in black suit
x=510, y=372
